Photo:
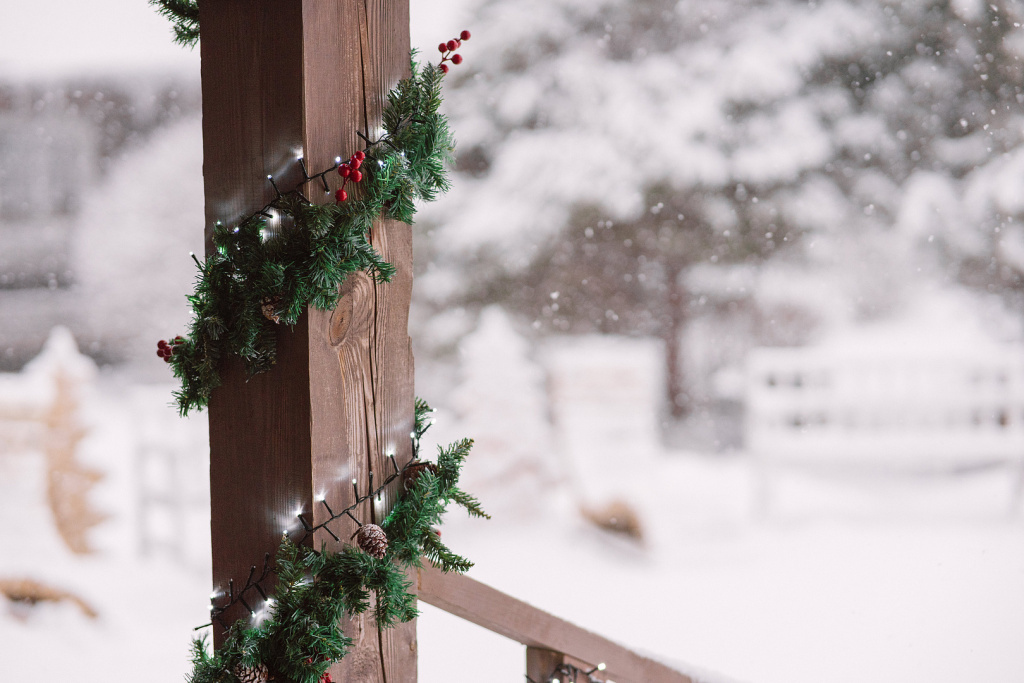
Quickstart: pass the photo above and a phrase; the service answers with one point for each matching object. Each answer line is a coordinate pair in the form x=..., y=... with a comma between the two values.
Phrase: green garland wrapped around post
x=293, y=253
x=296, y=635
x=265, y=270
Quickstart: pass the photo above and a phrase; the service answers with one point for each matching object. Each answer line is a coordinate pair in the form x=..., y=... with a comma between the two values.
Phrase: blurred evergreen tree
x=609, y=147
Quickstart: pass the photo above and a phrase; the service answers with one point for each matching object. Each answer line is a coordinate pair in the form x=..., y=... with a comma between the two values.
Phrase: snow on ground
x=146, y=606
x=870, y=594
x=889, y=581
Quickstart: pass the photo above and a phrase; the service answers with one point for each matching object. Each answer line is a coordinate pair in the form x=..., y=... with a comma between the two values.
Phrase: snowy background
x=727, y=291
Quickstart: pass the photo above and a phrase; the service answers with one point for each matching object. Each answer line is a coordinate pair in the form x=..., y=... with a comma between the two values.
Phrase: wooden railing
x=550, y=642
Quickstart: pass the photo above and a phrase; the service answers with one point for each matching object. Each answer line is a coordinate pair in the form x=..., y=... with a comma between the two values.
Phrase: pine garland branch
x=467, y=501
x=184, y=16
x=449, y=463
x=296, y=635
x=443, y=558
x=421, y=423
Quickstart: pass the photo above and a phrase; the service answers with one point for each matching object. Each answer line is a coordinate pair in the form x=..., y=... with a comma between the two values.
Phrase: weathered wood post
x=541, y=663
x=281, y=80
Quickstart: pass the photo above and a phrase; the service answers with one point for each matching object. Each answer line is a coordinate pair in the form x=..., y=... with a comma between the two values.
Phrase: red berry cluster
x=165, y=349
x=349, y=170
x=326, y=678
x=446, y=50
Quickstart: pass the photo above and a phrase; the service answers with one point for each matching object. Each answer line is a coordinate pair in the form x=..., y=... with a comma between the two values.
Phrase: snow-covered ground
x=882, y=580
x=932, y=591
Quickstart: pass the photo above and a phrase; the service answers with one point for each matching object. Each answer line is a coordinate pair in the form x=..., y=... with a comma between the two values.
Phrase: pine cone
x=373, y=541
x=414, y=470
x=270, y=308
x=251, y=674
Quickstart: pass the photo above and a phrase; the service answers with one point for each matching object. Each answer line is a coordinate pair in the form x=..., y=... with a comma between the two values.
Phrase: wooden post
x=280, y=80
x=544, y=666
x=541, y=664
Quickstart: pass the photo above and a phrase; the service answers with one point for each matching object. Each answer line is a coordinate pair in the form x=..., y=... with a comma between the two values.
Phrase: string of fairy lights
x=253, y=581
x=244, y=595
x=348, y=170
x=294, y=252
x=342, y=167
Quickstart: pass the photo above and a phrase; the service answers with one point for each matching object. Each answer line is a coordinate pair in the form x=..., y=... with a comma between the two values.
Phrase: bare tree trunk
x=672, y=329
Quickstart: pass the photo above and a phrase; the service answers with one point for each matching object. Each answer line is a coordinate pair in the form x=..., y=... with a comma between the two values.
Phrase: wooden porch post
x=283, y=79
x=541, y=663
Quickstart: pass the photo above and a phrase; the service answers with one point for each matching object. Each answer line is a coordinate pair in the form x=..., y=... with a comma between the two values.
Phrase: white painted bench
x=911, y=410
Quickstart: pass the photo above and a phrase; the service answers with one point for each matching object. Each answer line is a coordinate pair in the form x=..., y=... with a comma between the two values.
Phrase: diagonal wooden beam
x=495, y=611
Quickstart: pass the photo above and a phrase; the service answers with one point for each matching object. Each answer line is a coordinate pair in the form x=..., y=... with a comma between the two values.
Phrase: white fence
x=171, y=479
x=909, y=410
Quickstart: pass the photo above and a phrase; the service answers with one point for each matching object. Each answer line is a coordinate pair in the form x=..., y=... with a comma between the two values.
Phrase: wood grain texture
x=512, y=618
x=385, y=50
x=259, y=436
x=281, y=78
x=259, y=462
x=368, y=333
x=252, y=103
x=394, y=397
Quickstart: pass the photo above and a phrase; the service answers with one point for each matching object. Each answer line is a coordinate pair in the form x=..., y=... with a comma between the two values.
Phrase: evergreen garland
x=299, y=638
x=256, y=278
x=253, y=271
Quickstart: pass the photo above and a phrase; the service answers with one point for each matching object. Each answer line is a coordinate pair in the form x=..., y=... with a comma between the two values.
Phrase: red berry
x=360, y=155
x=341, y=195
x=355, y=163
x=456, y=59
x=356, y=176
x=344, y=170
x=161, y=344
x=179, y=339
x=444, y=68
x=442, y=47
x=160, y=353
x=451, y=45
x=464, y=35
